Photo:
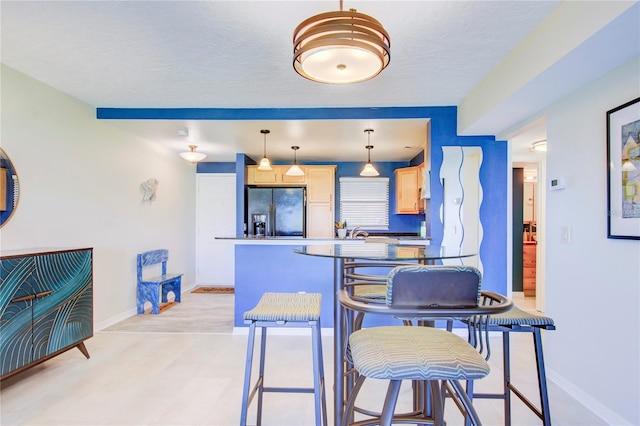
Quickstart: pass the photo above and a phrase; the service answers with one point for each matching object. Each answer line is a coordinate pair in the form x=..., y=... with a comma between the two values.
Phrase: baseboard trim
x=591, y=404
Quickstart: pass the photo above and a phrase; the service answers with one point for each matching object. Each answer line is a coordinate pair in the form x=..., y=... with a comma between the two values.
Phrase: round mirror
x=9, y=188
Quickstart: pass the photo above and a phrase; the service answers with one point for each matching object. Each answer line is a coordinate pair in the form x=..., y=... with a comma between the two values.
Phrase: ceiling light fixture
x=264, y=163
x=295, y=170
x=340, y=47
x=369, y=170
x=192, y=156
x=539, y=146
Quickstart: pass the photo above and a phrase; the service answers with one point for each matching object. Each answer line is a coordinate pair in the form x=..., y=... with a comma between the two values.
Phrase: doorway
x=527, y=213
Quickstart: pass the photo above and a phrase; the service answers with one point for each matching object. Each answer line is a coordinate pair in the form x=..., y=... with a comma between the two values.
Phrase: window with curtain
x=364, y=202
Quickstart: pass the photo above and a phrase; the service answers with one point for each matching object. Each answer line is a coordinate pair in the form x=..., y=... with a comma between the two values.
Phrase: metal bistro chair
x=436, y=357
x=284, y=310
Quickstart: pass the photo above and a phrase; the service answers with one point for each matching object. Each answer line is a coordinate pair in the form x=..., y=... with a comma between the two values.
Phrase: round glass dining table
x=401, y=253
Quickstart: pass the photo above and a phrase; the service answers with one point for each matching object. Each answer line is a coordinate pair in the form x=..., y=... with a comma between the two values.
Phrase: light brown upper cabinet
x=408, y=188
x=320, y=201
x=275, y=176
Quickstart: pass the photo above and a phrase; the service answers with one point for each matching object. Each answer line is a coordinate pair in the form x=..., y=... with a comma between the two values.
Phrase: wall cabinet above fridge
x=275, y=176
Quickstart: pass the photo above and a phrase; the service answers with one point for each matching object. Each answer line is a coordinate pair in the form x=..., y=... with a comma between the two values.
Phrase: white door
x=216, y=217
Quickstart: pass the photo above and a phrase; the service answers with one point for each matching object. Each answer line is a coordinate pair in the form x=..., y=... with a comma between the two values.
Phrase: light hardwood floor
x=195, y=378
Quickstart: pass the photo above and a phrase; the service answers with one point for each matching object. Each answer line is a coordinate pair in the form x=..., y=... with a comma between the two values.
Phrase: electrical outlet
x=565, y=234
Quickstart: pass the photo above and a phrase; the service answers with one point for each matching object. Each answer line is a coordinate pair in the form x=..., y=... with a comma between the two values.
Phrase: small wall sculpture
x=149, y=186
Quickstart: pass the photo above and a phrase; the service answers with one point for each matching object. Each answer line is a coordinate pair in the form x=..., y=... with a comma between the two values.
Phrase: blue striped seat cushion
x=286, y=307
x=415, y=353
x=517, y=316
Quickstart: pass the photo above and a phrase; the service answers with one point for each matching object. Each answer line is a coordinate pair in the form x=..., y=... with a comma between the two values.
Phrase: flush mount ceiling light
x=340, y=47
x=192, y=156
x=539, y=146
x=264, y=163
x=295, y=170
x=369, y=170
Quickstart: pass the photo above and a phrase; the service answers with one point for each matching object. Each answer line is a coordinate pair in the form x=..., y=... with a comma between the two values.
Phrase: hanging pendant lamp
x=369, y=170
x=264, y=163
x=295, y=170
x=340, y=47
x=192, y=156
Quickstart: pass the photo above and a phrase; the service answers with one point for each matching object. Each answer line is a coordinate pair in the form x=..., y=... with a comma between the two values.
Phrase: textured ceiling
x=238, y=54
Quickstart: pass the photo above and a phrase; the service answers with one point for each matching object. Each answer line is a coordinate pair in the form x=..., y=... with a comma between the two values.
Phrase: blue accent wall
x=493, y=172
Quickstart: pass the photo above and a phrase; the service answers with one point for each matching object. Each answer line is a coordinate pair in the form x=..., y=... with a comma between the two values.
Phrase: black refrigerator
x=285, y=210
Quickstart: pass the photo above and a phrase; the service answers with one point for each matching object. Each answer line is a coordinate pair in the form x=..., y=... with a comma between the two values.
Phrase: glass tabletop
x=382, y=251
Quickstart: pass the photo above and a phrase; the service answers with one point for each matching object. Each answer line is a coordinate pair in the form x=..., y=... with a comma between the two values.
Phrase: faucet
x=357, y=232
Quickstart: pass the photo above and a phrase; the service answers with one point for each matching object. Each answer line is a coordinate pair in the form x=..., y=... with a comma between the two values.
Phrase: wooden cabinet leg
x=82, y=348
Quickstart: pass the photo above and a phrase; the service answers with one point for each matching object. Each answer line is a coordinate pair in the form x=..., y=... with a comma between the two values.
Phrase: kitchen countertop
x=250, y=239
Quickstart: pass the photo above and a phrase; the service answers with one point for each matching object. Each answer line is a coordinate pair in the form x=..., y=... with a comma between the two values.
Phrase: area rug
x=213, y=290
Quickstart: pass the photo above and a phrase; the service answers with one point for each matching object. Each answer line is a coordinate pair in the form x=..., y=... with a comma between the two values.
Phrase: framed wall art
x=623, y=171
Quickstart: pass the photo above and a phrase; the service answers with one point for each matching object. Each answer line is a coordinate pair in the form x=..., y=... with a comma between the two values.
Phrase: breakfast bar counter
x=271, y=264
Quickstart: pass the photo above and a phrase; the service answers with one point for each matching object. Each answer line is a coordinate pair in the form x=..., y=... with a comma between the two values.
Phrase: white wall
x=80, y=187
x=593, y=283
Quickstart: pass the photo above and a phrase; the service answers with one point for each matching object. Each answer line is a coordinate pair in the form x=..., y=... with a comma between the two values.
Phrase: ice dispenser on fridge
x=259, y=224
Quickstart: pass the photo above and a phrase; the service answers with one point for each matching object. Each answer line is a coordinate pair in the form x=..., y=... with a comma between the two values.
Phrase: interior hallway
x=195, y=378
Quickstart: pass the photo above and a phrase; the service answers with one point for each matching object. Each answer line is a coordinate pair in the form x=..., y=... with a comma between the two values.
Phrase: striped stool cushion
x=415, y=353
x=517, y=316
x=286, y=307
x=371, y=291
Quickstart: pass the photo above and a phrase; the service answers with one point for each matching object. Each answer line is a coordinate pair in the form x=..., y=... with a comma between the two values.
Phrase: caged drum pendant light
x=264, y=163
x=340, y=47
x=369, y=170
x=295, y=170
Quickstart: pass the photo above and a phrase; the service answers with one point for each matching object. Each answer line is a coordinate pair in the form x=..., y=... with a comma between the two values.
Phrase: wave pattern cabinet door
x=46, y=306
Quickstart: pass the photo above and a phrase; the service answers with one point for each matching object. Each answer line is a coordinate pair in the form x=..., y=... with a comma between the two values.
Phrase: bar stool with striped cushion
x=519, y=321
x=284, y=310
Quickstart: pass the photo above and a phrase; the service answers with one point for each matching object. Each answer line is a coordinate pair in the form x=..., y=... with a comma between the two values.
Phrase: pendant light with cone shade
x=295, y=170
x=265, y=164
x=369, y=170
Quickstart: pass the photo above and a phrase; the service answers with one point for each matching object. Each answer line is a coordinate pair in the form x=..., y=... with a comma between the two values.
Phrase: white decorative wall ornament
x=150, y=186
